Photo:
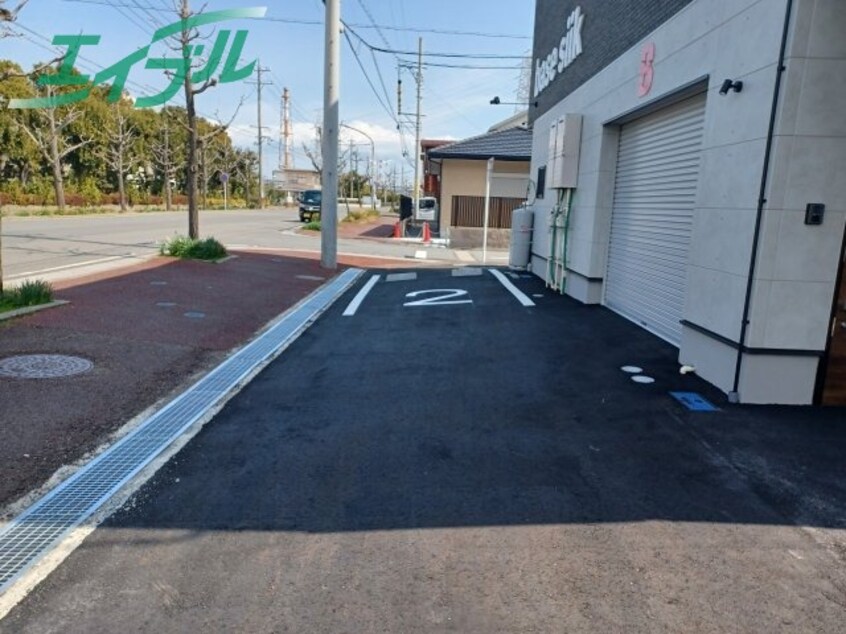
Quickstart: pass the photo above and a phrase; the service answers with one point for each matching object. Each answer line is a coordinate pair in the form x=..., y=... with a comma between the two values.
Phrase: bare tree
x=118, y=153
x=185, y=40
x=53, y=138
x=10, y=15
x=244, y=169
x=163, y=158
x=315, y=155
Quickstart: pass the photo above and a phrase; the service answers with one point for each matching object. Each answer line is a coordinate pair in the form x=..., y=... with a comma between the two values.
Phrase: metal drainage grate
x=31, y=535
x=43, y=366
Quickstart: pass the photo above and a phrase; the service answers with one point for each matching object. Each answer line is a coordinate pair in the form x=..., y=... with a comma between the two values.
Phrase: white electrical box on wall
x=565, y=140
x=552, y=153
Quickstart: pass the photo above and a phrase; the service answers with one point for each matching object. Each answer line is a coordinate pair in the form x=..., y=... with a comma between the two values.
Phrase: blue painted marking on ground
x=694, y=402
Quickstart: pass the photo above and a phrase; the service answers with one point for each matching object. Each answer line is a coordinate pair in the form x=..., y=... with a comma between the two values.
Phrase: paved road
x=46, y=244
x=454, y=461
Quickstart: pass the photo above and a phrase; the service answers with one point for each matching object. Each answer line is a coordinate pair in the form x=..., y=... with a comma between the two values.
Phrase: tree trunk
x=58, y=184
x=121, y=185
x=56, y=163
x=1, y=246
x=193, y=213
x=168, y=191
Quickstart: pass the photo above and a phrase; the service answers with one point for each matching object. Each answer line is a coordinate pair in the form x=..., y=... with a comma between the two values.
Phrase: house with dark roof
x=460, y=170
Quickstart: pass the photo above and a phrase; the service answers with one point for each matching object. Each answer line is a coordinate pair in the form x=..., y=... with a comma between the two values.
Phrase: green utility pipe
x=571, y=195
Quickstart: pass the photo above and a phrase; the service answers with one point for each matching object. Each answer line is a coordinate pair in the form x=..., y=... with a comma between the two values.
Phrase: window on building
x=541, y=181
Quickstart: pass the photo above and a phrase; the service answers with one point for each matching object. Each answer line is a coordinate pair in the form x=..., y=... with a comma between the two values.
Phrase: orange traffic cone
x=427, y=233
x=397, y=230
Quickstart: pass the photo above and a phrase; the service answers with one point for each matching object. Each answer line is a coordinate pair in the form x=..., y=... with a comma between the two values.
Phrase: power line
x=307, y=22
x=429, y=54
x=463, y=66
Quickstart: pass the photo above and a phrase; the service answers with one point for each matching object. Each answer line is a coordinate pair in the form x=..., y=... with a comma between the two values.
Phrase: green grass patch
x=27, y=294
x=186, y=248
x=314, y=225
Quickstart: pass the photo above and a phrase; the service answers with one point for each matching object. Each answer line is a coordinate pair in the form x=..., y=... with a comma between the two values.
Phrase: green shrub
x=32, y=293
x=186, y=248
x=314, y=225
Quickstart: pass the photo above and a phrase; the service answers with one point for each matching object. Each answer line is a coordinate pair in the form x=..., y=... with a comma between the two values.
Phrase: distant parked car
x=310, y=203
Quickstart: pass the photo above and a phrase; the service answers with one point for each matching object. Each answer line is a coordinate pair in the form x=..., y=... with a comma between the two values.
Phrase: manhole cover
x=43, y=366
x=158, y=283
x=193, y=314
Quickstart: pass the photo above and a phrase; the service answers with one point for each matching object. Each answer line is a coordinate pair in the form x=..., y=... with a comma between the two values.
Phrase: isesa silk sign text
x=570, y=47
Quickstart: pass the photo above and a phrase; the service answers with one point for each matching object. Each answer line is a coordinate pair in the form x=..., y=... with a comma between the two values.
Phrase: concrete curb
x=28, y=310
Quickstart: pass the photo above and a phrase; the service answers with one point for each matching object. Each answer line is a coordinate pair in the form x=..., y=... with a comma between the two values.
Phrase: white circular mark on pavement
x=194, y=314
x=537, y=296
x=43, y=366
x=631, y=369
x=166, y=304
x=158, y=283
x=643, y=380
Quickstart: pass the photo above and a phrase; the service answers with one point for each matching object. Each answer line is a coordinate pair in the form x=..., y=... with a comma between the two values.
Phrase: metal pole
x=226, y=195
x=487, y=210
x=350, y=170
x=331, y=119
x=417, y=131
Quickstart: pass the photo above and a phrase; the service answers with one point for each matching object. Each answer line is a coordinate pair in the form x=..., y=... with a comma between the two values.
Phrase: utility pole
x=260, y=83
x=331, y=133
x=168, y=187
x=287, y=134
x=350, y=170
x=418, y=127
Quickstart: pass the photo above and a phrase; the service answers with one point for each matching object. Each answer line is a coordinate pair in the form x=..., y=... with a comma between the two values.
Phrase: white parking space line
x=468, y=272
x=521, y=297
x=401, y=277
x=352, y=309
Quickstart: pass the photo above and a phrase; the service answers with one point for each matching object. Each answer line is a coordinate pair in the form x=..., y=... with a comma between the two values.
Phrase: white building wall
x=739, y=40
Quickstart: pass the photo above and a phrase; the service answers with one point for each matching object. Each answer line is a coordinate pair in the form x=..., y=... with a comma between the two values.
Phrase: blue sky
x=456, y=101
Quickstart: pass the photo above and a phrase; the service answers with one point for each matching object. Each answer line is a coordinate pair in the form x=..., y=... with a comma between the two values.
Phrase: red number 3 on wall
x=647, y=70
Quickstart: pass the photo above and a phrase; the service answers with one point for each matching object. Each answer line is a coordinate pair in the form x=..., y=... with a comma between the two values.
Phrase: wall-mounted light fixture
x=730, y=84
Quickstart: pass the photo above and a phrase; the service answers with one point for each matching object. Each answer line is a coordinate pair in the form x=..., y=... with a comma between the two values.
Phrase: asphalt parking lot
x=462, y=453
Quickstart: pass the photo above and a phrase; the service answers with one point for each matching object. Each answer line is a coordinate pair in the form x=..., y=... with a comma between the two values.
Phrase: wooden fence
x=469, y=211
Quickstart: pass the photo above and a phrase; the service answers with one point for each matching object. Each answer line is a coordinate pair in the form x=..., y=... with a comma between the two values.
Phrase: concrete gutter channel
x=35, y=542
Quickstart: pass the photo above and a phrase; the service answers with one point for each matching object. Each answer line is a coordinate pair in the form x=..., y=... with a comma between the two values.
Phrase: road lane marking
x=446, y=296
x=74, y=265
x=352, y=309
x=521, y=297
x=401, y=277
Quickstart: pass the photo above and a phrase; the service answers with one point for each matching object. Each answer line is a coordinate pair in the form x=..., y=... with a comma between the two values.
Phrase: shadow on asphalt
x=490, y=415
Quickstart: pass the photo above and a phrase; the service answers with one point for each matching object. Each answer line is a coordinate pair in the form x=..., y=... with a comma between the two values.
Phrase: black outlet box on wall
x=814, y=214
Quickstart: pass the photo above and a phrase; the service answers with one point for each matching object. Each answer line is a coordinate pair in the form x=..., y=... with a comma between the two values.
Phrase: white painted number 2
x=439, y=297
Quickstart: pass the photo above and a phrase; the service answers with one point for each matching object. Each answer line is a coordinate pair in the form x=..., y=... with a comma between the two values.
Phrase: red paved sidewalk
x=132, y=324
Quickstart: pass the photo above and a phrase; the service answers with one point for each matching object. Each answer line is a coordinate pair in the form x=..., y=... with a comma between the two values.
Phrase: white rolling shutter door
x=652, y=220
